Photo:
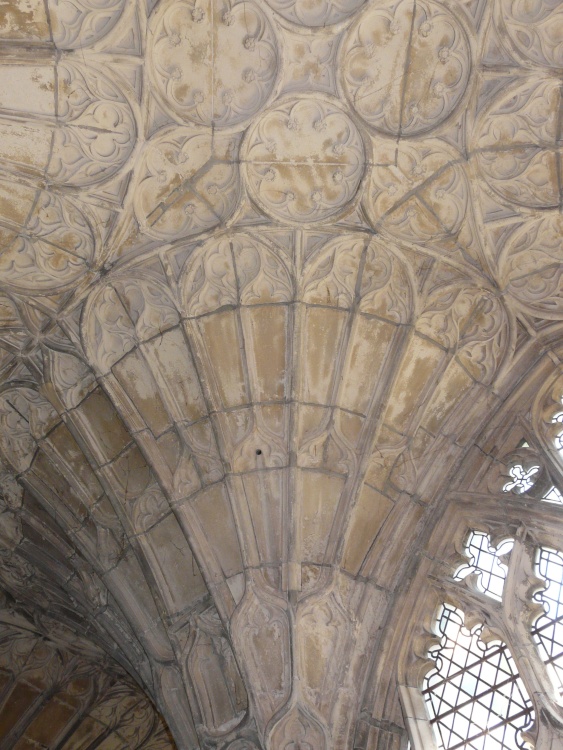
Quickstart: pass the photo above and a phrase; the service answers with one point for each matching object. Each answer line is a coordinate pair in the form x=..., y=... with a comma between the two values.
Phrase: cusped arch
x=232, y=269
x=122, y=313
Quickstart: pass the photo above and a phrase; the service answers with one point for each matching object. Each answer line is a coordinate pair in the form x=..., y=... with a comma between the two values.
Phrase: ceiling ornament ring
x=304, y=160
x=213, y=63
x=374, y=55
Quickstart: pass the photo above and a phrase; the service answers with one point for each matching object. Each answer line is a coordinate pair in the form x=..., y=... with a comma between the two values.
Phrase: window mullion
x=519, y=613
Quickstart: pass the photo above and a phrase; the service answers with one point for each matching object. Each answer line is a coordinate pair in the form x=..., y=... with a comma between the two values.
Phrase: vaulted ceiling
x=268, y=269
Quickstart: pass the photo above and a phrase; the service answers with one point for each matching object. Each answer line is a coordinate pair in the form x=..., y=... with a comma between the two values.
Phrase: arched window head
x=487, y=562
x=475, y=697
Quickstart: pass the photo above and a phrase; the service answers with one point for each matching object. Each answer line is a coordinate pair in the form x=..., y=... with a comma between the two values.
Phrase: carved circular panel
x=517, y=147
x=316, y=12
x=212, y=63
x=536, y=29
x=82, y=22
x=189, y=183
x=304, y=160
x=531, y=266
x=99, y=131
x=404, y=75
x=47, y=243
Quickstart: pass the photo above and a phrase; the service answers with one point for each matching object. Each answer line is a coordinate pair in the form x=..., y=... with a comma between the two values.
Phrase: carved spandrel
x=417, y=192
x=49, y=241
x=189, y=183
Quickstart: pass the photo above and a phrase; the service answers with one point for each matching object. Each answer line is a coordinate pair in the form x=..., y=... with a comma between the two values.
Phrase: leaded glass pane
x=548, y=628
x=485, y=561
x=475, y=696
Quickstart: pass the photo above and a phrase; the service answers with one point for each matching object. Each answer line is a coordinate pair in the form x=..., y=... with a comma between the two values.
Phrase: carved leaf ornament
x=273, y=275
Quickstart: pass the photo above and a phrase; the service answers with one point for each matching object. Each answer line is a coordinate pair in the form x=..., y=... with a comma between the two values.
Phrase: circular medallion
x=315, y=13
x=405, y=67
x=212, y=63
x=536, y=29
x=304, y=160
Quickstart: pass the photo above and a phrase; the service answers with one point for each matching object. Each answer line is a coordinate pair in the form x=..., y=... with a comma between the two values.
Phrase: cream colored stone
x=319, y=496
x=368, y=517
x=280, y=320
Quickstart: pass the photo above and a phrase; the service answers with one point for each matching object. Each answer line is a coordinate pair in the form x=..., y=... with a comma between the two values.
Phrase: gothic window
x=475, y=695
x=547, y=631
x=522, y=480
x=486, y=563
x=558, y=419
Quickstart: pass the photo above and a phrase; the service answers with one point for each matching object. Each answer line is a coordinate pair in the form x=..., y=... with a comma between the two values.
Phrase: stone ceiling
x=268, y=269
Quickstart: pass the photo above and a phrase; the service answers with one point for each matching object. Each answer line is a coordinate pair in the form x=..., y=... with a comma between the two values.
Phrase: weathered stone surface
x=280, y=300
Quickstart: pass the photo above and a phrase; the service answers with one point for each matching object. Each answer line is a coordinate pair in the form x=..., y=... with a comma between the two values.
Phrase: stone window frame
x=510, y=621
x=517, y=605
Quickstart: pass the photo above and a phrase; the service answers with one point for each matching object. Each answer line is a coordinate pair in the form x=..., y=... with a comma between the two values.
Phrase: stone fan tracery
x=267, y=270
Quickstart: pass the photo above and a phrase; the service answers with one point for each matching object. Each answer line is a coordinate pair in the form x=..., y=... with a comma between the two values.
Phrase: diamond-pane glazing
x=485, y=561
x=475, y=697
x=548, y=628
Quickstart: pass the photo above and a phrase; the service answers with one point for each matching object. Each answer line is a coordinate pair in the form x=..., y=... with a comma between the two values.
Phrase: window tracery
x=547, y=630
x=486, y=563
x=493, y=678
x=475, y=695
x=522, y=480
